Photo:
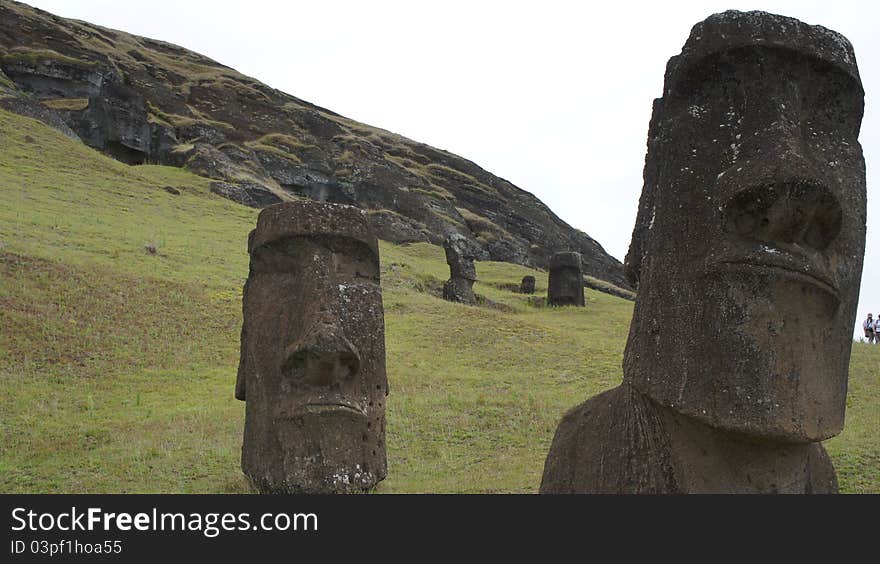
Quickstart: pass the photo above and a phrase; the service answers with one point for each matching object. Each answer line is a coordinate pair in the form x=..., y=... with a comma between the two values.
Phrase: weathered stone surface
x=459, y=290
x=25, y=106
x=622, y=442
x=206, y=160
x=748, y=250
x=610, y=289
x=312, y=368
x=527, y=286
x=392, y=226
x=565, y=285
x=460, y=255
x=150, y=101
x=114, y=119
x=248, y=194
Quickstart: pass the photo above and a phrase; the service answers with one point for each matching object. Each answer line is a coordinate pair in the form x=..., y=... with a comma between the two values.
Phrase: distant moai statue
x=312, y=367
x=565, y=285
x=527, y=286
x=747, y=251
x=460, y=255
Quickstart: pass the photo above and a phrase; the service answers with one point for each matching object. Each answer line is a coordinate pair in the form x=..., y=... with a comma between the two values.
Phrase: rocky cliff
x=146, y=101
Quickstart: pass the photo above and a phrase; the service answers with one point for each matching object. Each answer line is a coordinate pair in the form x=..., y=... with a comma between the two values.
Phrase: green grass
x=68, y=104
x=118, y=365
x=856, y=451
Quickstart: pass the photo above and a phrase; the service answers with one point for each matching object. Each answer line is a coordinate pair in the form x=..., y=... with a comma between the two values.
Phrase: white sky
x=553, y=96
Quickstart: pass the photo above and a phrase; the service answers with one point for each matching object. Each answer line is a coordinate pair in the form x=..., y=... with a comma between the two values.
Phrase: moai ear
x=632, y=264
x=240, y=385
x=241, y=377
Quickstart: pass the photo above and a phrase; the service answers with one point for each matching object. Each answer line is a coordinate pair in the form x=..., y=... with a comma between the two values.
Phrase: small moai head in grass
x=565, y=285
x=527, y=286
x=460, y=256
x=312, y=367
x=750, y=235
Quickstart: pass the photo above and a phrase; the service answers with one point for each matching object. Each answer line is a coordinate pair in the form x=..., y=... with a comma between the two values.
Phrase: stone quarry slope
x=146, y=101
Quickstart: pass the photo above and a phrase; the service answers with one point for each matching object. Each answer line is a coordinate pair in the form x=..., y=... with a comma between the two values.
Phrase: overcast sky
x=553, y=96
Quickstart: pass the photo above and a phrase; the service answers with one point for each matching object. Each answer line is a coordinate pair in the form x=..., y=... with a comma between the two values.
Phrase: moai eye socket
x=354, y=262
x=831, y=105
x=281, y=257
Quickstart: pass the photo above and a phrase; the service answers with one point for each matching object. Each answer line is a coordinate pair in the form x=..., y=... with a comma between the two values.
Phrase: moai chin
x=460, y=255
x=312, y=367
x=527, y=286
x=747, y=250
x=565, y=284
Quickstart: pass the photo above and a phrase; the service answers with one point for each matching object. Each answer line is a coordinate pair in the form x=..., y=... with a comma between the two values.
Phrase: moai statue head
x=460, y=255
x=527, y=286
x=565, y=285
x=312, y=368
x=750, y=234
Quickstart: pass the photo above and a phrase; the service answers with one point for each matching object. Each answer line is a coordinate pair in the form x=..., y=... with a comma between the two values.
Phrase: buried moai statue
x=747, y=251
x=527, y=286
x=460, y=255
x=312, y=367
x=565, y=283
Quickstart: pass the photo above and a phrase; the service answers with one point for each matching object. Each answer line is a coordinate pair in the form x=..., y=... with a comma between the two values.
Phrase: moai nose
x=323, y=358
x=788, y=213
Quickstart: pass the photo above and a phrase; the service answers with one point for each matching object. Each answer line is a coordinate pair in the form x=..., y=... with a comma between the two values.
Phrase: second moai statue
x=460, y=255
x=747, y=250
x=565, y=285
x=527, y=286
x=312, y=367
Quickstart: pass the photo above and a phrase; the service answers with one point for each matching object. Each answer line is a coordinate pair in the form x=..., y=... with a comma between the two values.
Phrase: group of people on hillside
x=872, y=329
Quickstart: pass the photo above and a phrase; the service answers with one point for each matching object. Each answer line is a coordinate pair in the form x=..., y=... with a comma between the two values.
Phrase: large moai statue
x=747, y=251
x=460, y=255
x=312, y=367
x=565, y=284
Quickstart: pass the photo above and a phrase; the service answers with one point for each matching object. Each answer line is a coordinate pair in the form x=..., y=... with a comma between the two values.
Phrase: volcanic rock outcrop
x=748, y=251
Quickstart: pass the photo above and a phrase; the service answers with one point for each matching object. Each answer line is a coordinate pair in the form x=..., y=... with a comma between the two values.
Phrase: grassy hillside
x=218, y=123
x=118, y=364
